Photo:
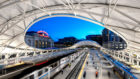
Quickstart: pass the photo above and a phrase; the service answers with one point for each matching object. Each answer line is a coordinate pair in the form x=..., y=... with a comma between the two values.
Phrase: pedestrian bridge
x=85, y=43
x=119, y=16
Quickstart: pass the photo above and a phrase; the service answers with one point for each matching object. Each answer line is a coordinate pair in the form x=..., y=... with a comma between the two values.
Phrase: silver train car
x=52, y=69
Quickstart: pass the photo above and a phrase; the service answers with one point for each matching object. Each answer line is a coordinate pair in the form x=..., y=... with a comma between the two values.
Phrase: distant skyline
x=60, y=27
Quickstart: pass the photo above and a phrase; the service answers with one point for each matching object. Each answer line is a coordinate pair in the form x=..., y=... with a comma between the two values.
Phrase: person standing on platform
x=96, y=74
x=87, y=63
x=108, y=74
x=114, y=70
x=93, y=63
x=84, y=75
x=62, y=71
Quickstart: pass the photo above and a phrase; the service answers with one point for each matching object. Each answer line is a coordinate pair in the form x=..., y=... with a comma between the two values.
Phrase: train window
x=31, y=77
x=55, y=64
x=40, y=72
x=135, y=62
x=116, y=54
x=127, y=59
x=124, y=57
x=46, y=70
x=126, y=54
x=38, y=53
x=121, y=56
x=113, y=53
x=52, y=65
x=12, y=56
x=22, y=54
x=30, y=54
x=2, y=57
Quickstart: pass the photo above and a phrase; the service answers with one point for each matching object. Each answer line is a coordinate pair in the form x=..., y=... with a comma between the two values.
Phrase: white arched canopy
x=120, y=16
x=86, y=43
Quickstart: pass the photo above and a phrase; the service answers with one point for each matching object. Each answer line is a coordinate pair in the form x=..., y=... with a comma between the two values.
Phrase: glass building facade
x=112, y=40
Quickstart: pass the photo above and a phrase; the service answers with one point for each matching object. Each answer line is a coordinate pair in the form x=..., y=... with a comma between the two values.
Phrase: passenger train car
x=52, y=69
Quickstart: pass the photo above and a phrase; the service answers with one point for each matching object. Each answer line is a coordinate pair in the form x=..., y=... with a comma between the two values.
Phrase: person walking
x=62, y=71
x=87, y=63
x=96, y=74
x=108, y=74
x=114, y=70
x=84, y=74
x=93, y=63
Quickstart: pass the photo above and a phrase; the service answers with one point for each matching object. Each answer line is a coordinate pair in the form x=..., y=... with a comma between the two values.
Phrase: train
x=53, y=68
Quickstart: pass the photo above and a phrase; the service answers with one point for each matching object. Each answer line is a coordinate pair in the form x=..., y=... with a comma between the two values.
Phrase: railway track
x=75, y=71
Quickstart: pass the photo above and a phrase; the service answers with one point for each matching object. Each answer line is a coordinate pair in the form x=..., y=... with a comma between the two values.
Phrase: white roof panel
x=120, y=16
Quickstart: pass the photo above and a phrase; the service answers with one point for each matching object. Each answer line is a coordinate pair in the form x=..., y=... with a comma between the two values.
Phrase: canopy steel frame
x=74, y=7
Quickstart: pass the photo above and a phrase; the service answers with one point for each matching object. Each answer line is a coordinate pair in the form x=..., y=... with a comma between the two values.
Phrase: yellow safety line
x=80, y=75
x=14, y=65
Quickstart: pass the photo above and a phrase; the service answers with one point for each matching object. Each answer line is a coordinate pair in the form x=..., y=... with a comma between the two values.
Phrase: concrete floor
x=90, y=70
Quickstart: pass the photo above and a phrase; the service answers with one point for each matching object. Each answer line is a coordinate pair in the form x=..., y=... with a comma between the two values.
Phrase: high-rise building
x=112, y=40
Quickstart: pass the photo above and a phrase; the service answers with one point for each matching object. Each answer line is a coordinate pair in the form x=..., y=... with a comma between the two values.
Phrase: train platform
x=91, y=70
x=67, y=70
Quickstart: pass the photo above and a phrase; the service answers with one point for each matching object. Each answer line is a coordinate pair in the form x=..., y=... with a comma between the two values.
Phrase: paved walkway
x=67, y=70
x=90, y=71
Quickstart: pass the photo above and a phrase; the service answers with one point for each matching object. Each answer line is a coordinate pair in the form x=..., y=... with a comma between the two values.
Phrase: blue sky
x=60, y=27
